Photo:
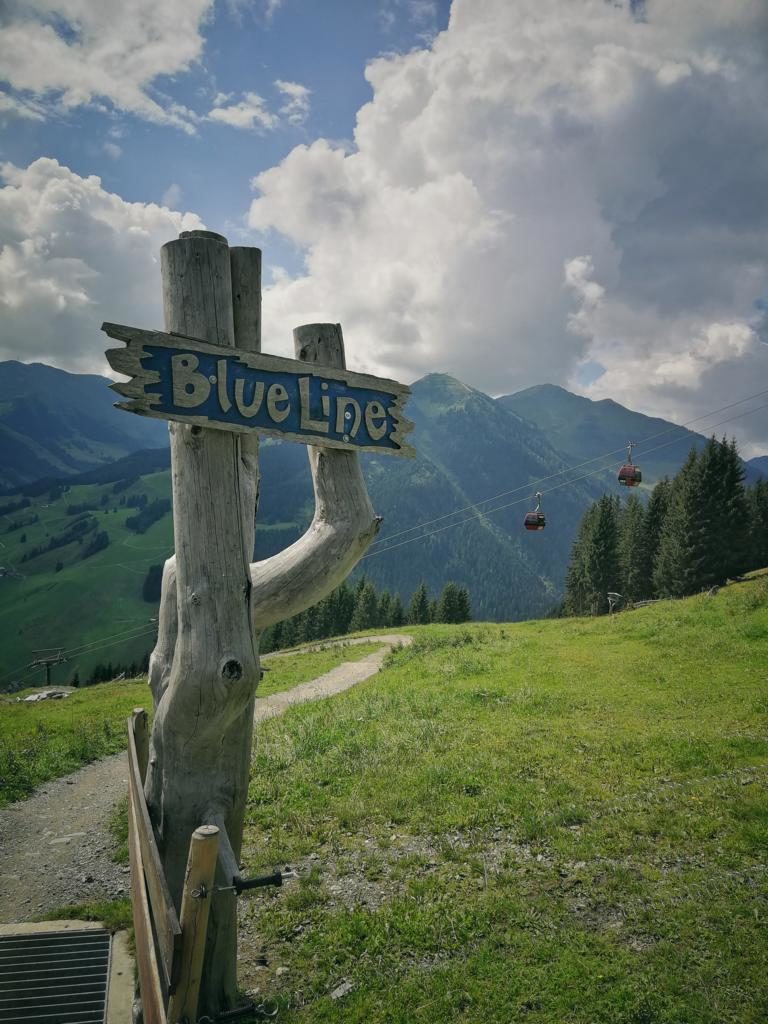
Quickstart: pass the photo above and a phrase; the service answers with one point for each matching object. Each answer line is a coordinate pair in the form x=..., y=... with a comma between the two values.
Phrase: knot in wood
x=232, y=670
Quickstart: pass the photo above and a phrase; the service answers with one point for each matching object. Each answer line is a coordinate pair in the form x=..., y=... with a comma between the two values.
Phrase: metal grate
x=54, y=977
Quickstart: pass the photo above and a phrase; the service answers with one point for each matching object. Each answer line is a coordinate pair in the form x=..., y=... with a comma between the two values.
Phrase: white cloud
x=249, y=114
x=172, y=196
x=271, y=7
x=529, y=132
x=17, y=107
x=112, y=149
x=72, y=256
x=418, y=12
x=296, y=109
x=79, y=53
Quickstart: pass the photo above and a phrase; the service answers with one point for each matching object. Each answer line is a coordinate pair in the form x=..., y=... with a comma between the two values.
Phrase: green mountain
x=759, y=465
x=470, y=447
x=56, y=424
x=60, y=585
x=580, y=429
x=76, y=556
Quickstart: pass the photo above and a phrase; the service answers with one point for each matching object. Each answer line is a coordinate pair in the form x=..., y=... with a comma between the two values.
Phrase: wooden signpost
x=185, y=380
x=207, y=378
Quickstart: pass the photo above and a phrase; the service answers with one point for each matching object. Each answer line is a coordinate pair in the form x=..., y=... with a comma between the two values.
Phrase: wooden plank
x=195, y=908
x=146, y=959
x=164, y=914
x=190, y=381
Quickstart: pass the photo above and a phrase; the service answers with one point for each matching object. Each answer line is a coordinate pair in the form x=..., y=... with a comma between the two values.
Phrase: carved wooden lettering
x=178, y=378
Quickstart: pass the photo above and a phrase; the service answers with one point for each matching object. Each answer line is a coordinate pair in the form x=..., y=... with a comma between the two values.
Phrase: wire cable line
x=125, y=634
x=131, y=633
x=570, y=469
x=563, y=483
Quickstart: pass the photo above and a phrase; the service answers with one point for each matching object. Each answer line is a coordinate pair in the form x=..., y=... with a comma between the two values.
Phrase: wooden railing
x=169, y=951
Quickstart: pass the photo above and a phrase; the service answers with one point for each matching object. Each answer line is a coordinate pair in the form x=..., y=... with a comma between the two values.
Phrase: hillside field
x=554, y=821
x=559, y=821
x=44, y=741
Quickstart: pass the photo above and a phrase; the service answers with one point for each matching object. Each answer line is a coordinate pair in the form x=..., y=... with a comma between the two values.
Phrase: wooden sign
x=179, y=378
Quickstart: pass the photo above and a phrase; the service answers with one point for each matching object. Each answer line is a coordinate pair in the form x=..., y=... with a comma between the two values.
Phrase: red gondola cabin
x=630, y=475
x=534, y=521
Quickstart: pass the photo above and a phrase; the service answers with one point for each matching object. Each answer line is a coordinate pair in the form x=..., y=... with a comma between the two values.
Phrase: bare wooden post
x=200, y=750
x=204, y=668
x=195, y=905
x=141, y=739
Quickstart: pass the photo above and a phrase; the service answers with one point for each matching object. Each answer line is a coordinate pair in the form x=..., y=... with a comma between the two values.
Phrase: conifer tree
x=653, y=522
x=576, y=577
x=308, y=625
x=732, y=542
x=448, y=605
x=418, y=610
x=594, y=566
x=397, y=617
x=384, y=617
x=682, y=556
x=757, y=504
x=601, y=556
x=464, y=609
x=346, y=606
x=630, y=548
x=365, y=615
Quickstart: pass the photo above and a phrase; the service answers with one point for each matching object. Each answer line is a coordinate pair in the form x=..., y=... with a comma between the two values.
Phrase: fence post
x=195, y=906
x=141, y=739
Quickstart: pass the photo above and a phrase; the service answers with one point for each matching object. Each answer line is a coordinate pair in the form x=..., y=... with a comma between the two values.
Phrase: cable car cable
x=520, y=501
x=570, y=469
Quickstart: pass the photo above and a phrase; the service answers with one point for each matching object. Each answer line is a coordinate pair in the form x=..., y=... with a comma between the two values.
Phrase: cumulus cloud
x=77, y=53
x=626, y=143
x=250, y=114
x=72, y=256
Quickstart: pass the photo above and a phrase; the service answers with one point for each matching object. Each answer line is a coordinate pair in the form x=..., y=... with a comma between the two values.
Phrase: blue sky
x=510, y=191
x=324, y=47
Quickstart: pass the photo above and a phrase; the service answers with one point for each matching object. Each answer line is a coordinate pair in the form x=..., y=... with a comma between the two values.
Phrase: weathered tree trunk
x=201, y=739
x=204, y=669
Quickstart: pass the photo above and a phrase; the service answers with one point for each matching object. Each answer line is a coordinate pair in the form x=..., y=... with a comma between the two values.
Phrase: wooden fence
x=169, y=951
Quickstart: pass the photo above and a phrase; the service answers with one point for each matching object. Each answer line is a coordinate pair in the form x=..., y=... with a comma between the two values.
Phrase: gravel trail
x=55, y=848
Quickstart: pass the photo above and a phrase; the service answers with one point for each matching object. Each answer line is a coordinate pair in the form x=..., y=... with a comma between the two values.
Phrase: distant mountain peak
x=441, y=391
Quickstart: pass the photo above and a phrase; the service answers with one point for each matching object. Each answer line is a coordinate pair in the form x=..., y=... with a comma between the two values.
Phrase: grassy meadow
x=46, y=740
x=559, y=821
x=554, y=821
x=101, y=594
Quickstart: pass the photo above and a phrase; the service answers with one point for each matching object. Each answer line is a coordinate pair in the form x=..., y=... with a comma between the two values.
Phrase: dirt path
x=55, y=847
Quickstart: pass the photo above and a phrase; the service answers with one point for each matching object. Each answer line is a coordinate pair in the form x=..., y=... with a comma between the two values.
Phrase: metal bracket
x=240, y=885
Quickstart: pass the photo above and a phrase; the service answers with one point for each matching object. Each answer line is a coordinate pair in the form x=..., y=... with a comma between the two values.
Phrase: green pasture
x=101, y=594
x=46, y=740
x=555, y=821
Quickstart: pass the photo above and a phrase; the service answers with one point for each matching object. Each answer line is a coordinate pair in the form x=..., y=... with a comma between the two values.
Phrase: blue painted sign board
x=183, y=379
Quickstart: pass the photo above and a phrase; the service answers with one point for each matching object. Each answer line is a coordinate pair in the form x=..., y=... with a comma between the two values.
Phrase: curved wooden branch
x=343, y=524
x=294, y=579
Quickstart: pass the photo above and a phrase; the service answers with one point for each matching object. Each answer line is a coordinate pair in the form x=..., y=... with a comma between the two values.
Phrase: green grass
x=113, y=914
x=285, y=671
x=43, y=741
x=555, y=821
